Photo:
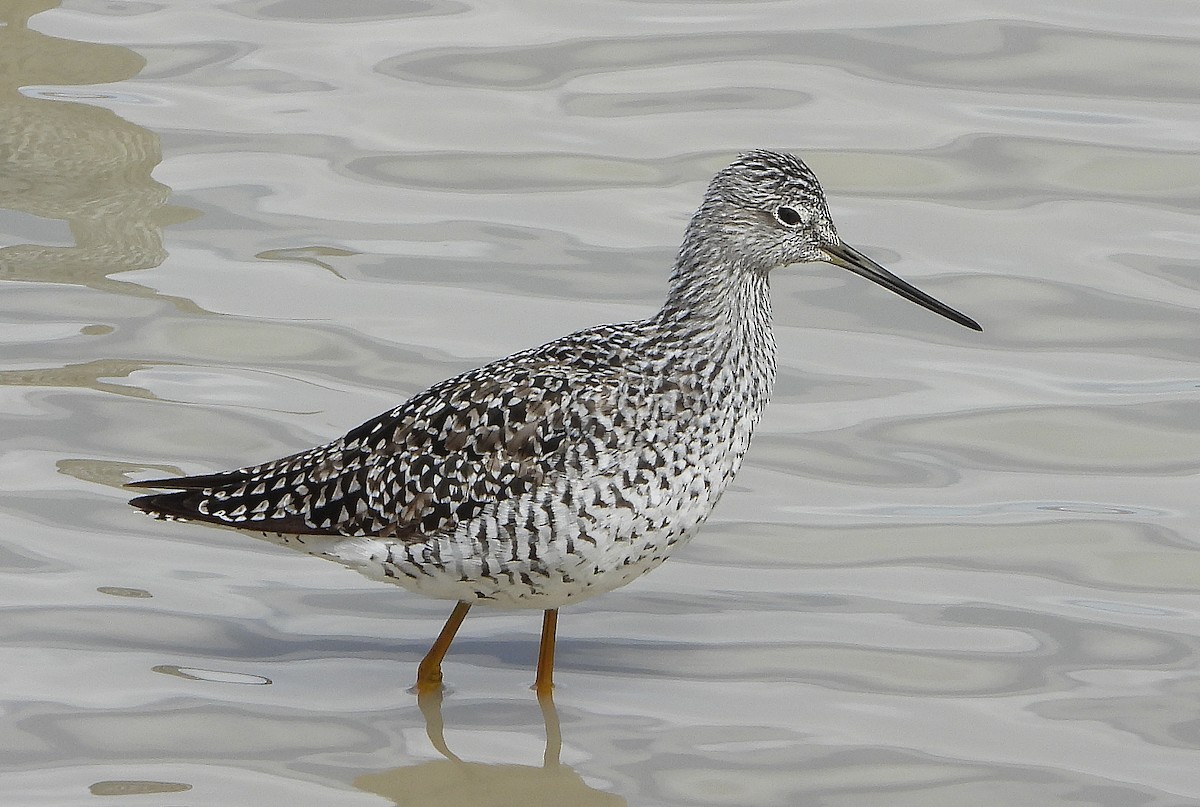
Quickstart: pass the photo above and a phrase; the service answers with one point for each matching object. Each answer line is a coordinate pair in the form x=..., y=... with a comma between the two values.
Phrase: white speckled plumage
x=568, y=469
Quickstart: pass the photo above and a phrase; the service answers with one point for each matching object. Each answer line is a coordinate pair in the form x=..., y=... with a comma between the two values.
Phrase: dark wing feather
x=189, y=482
x=422, y=467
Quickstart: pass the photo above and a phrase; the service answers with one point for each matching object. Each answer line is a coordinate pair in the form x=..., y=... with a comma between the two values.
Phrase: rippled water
x=956, y=569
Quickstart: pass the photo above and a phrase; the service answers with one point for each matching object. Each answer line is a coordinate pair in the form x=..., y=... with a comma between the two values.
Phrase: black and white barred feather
x=489, y=434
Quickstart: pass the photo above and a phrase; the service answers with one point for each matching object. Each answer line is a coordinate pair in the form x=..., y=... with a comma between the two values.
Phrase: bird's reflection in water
x=454, y=781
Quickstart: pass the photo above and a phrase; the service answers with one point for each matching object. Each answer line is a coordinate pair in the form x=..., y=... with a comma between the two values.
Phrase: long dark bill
x=850, y=258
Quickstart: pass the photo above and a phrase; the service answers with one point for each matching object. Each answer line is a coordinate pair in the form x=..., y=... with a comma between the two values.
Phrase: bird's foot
x=429, y=680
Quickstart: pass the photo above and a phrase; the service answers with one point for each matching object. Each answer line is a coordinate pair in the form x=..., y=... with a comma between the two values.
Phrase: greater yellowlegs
x=569, y=469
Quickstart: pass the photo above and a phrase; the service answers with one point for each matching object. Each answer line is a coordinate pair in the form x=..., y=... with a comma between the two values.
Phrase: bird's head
x=766, y=210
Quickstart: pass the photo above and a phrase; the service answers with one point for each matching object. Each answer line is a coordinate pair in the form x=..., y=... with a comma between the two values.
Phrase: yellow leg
x=544, y=682
x=429, y=673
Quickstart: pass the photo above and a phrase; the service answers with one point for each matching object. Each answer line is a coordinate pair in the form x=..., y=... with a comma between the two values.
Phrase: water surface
x=956, y=568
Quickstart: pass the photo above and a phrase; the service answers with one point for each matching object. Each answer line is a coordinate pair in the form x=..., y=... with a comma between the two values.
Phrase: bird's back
x=433, y=460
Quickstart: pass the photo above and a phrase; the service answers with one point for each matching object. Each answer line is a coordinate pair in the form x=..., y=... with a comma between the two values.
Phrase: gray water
x=956, y=569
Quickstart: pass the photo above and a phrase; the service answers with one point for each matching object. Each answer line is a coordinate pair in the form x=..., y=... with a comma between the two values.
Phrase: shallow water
x=956, y=568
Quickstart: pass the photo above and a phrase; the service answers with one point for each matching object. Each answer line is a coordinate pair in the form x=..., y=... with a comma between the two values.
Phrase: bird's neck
x=715, y=292
x=719, y=311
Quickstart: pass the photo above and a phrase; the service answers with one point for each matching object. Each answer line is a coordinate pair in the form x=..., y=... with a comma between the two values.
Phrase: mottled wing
x=420, y=468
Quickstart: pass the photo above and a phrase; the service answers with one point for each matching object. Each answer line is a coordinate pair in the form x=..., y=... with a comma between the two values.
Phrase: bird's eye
x=788, y=216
